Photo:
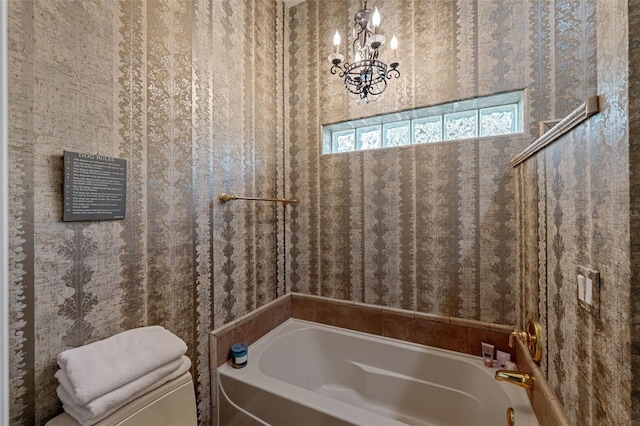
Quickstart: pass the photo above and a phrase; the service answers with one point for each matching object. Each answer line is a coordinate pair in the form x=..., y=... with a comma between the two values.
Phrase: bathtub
x=304, y=373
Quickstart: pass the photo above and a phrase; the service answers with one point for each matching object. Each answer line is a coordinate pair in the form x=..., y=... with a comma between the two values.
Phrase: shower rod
x=226, y=198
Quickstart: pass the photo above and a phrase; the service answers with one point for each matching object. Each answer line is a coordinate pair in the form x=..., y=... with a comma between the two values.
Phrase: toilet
x=172, y=404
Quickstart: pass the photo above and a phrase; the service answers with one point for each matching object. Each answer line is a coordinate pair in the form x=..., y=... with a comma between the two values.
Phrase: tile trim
x=544, y=402
x=236, y=326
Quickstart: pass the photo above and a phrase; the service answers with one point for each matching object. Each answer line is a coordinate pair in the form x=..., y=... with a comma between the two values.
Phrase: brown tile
x=544, y=403
x=214, y=387
x=257, y=326
x=315, y=297
x=542, y=407
x=214, y=416
x=367, y=319
x=432, y=317
x=303, y=308
x=224, y=327
x=224, y=341
x=439, y=335
x=499, y=340
x=480, y=325
x=559, y=413
x=525, y=363
x=213, y=351
x=280, y=311
x=359, y=318
x=405, y=312
x=332, y=314
x=501, y=328
x=249, y=329
x=397, y=325
x=340, y=302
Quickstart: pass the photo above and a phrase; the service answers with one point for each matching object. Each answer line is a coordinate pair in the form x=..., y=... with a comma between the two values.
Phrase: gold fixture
x=531, y=338
x=519, y=378
x=511, y=417
x=224, y=198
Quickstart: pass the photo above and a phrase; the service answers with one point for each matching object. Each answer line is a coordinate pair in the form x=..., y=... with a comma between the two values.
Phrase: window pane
x=369, y=137
x=427, y=130
x=501, y=120
x=489, y=116
x=397, y=134
x=461, y=125
x=344, y=141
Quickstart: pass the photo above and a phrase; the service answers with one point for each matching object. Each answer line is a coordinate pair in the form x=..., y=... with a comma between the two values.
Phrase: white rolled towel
x=104, y=405
x=100, y=367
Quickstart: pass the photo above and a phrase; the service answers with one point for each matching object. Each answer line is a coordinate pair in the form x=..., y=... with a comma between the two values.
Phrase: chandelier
x=366, y=77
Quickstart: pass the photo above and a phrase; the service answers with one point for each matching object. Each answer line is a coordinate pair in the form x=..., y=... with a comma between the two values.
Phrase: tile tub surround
x=248, y=328
x=455, y=334
x=544, y=402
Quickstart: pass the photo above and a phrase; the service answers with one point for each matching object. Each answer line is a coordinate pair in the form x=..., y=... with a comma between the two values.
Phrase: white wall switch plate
x=588, y=293
x=590, y=299
x=580, y=287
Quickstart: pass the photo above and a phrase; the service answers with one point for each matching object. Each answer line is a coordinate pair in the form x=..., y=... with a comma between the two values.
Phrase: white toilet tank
x=172, y=404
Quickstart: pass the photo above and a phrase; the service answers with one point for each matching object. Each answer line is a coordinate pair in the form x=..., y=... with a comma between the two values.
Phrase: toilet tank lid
x=137, y=404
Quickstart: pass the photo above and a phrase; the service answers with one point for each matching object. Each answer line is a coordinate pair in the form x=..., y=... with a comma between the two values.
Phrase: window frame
x=425, y=114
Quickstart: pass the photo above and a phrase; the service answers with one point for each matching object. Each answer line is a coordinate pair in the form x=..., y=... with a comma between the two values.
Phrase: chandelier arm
x=337, y=69
x=393, y=73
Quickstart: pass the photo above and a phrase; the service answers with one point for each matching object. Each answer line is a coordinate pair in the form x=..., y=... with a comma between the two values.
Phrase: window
x=474, y=118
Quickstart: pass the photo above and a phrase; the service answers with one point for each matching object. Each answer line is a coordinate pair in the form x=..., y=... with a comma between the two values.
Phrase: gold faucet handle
x=520, y=334
x=531, y=338
x=511, y=417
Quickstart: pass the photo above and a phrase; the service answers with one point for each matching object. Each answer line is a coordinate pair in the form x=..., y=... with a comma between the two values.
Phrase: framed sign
x=95, y=187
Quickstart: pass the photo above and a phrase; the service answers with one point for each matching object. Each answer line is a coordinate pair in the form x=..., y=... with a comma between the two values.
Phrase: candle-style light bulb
x=336, y=39
x=394, y=48
x=394, y=43
x=375, y=20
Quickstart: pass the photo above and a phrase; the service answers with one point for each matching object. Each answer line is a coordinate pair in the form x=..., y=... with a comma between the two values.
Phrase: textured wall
x=634, y=191
x=429, y=227
x=573, y=209
x=151, y=82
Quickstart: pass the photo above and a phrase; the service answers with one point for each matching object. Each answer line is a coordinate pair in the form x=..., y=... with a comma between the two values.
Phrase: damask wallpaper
x=210, y=96
x=428, y=227
x=573, y=209
x=436, y=227
x=194, y=116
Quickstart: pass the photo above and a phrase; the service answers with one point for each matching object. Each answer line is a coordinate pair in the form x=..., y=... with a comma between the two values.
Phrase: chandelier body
x=366, y=77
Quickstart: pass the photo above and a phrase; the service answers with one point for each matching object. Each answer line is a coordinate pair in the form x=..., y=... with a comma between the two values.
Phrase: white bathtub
x=303, y=373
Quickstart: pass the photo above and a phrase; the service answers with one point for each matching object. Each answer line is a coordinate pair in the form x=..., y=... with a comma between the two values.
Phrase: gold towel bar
x=226, y=198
